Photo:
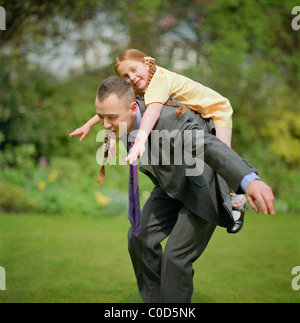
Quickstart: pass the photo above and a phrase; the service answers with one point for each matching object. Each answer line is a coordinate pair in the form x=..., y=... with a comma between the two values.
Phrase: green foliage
x=245, y=50
x=21, y=156
x=284, y=137
x=63, y=188
x=131, y=14
x=14, y=199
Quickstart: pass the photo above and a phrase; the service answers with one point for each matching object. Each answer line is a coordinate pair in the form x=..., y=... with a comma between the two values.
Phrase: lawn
x=80, y=259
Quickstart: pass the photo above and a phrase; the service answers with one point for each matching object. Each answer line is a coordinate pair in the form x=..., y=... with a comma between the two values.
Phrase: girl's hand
x=137, y=151
x=84, y=130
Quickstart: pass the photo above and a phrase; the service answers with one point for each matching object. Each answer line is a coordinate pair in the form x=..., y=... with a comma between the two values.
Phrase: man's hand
x=262, y=193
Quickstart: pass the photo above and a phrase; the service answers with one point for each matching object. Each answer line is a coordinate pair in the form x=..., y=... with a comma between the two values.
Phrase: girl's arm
x=148, y=122
x=85, y=129
x=224, y=134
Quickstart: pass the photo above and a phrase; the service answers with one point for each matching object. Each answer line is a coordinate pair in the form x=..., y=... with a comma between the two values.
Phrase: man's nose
x=106, y=124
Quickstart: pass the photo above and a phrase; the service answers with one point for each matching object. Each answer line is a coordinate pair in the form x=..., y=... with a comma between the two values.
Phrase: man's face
x=136, y=73
x=112, y=111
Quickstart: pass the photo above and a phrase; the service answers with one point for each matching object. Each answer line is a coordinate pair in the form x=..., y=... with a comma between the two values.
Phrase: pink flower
x=42, y=161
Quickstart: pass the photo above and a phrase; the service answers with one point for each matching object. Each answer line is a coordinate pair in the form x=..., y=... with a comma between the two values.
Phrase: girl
x=157, y=85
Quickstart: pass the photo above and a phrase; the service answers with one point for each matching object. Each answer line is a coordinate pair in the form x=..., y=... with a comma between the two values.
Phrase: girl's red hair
x=136, y=55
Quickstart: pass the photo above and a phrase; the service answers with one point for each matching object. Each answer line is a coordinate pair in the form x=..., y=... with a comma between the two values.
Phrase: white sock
x=236, y=215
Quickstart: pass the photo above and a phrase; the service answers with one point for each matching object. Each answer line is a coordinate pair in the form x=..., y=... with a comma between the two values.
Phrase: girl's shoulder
x=162, y=72
x=162, y=75
x=169, y=75
x=159, y=78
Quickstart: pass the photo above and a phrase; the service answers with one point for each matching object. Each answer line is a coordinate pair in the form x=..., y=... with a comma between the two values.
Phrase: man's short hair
x=115, y=85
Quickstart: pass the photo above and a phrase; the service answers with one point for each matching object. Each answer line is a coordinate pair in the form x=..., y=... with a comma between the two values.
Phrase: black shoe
x=238, y=224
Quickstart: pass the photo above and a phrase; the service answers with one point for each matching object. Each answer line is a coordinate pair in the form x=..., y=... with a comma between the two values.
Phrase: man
x=184, y=208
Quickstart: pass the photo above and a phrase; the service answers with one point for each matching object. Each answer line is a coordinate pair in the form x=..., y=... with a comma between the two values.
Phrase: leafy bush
x=60, y=188
x=14, y=199
x=54, y=174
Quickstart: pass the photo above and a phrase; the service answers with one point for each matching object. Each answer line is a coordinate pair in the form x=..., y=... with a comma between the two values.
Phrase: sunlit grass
x=79, y=259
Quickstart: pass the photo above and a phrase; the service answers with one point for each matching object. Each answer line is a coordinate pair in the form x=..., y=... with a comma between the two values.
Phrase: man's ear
x=133, y=109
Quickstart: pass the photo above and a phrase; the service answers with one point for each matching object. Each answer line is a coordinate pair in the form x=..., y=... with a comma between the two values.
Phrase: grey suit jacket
x=205, y=194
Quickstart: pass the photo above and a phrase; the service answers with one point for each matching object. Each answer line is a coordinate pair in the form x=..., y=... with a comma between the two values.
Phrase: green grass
x=80, y=259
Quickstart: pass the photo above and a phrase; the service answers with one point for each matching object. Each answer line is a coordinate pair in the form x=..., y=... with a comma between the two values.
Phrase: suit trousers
x=167, y=276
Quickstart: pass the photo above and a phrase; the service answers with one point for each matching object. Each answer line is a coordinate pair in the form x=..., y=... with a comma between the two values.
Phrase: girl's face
x=136, y=73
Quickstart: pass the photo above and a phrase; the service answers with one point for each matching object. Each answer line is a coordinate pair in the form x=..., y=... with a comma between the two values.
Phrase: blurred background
x=54, y=55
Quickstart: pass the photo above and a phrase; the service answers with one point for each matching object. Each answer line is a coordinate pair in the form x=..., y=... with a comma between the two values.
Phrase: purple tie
x=134, y=211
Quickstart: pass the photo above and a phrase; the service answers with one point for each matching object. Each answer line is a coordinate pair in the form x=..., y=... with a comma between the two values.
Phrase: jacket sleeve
x=222, y=159
x=226, y=162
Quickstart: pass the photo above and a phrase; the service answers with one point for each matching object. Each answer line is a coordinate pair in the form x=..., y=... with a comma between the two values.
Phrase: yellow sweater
x=207, y=102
